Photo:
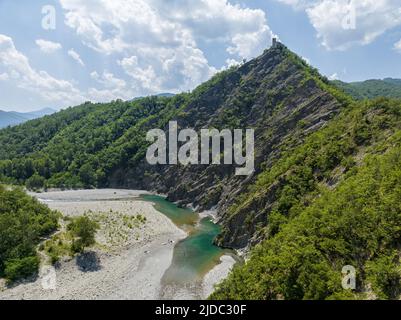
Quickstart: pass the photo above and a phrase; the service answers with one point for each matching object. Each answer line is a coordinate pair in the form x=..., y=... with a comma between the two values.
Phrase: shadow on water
x=88, y=262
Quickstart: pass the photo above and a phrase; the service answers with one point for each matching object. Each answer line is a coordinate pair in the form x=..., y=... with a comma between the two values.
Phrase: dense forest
x=326, y=187
x=369, y=89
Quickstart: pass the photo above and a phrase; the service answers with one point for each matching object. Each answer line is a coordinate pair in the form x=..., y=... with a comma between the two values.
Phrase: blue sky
x=102, y=50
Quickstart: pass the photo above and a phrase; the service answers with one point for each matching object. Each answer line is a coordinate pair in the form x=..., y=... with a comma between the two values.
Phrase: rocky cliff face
x=276, y=94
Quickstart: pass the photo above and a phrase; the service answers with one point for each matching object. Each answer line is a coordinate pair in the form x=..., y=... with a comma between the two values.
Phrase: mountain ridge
x=194, y=187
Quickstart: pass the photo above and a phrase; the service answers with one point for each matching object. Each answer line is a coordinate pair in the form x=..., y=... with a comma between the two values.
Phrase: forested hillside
x=390, y=88
x=78, y=147
x=23, y=223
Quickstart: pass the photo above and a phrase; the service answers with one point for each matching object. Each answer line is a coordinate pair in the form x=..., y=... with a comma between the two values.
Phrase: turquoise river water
x=195, y=255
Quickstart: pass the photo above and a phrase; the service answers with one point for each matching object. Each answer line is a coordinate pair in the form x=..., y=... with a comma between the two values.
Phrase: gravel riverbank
x=125, y=263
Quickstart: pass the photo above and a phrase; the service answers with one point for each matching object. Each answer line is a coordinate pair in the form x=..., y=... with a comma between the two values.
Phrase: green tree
x=87, y=175
x=35, y=182
x=84, y=230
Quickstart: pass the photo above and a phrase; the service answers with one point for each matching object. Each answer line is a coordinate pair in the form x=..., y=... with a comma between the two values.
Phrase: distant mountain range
x=369, y=89
x=13, y=118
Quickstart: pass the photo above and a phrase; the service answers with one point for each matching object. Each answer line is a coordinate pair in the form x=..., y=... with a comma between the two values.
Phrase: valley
x=138, y=264
x=324, y=192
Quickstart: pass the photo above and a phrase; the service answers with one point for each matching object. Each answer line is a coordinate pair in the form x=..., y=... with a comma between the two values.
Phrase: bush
x=21, y=268
x=36, y=182
x=84, y=230
x=54, y=258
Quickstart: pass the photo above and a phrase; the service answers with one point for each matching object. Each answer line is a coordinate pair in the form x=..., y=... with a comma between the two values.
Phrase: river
x=194, y=256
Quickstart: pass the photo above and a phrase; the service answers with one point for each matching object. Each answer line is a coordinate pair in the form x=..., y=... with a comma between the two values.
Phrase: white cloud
x=112, y=88
x=73, y=54
x=107, y=95
x=231, y=63
x=157, y=41
x=94, y=75
x=397, y=46
x=41, y=83
x=59, y=92
x=334, y=76
x=48, y=46
x=108, y=80
x=4, y=76
x=245, y=45
x=146, y=77
x=244, y=30
x=341, y=24
x=299, y=4
x=157, y=44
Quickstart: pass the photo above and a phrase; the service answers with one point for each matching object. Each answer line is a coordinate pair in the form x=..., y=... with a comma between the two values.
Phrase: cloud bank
x=342, y=24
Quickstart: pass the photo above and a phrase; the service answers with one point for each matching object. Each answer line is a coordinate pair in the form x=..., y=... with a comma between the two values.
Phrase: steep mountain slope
x=277, y=94
x=369, y=89
x=339, y=206
x=14, y=118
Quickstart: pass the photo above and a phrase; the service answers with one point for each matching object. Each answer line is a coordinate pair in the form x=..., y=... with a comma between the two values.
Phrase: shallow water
x=183, y=218
x=195, y=255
